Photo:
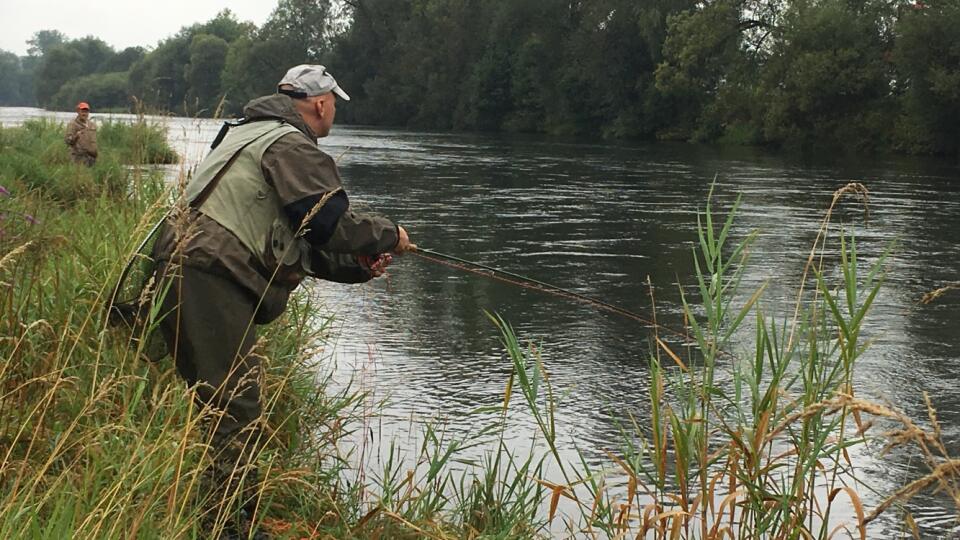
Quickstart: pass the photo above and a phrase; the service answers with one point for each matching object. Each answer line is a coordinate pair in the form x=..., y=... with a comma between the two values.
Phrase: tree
x=101, y=90
x=10, y=76
x=66, y=61
x=252, y=69
x=59, y=65
x=225, y=26
x=159, y=78
x=530, y=85
x=705, y=61
x=44, y=40
x=208, y=55
x=827, y=81
x=96, y=54
x=507, y=68
x=927, y=59
x=123, y=60
x=300, y=28
x=185, y=73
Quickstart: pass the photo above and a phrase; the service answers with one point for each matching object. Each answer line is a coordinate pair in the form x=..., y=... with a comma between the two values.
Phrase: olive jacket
x=301, y=174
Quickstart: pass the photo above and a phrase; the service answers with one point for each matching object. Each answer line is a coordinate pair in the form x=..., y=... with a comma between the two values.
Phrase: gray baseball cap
x=310, y=80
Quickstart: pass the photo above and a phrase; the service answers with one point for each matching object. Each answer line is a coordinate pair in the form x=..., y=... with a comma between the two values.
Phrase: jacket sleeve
x=302, y=174
x=363, y=234
x=336, y=267
x=73, y=130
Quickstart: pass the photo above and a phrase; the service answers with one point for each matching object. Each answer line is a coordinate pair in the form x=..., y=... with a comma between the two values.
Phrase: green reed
x=749, y=431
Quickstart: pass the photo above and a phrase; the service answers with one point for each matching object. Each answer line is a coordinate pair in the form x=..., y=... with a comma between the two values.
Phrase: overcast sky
x=121, y=23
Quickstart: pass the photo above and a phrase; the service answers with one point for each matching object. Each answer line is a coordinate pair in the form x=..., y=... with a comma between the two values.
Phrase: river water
x=602, y=219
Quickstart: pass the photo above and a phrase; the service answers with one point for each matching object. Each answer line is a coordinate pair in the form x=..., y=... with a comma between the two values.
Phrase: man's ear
x=318, y=104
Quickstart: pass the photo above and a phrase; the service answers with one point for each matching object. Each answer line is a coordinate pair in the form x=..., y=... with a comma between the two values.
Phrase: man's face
x=83, y=113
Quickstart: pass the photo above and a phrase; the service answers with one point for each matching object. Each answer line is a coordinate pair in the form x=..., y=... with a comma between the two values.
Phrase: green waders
x=209, y=330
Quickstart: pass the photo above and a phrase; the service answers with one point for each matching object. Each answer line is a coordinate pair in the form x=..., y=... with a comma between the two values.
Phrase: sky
x=120, y=23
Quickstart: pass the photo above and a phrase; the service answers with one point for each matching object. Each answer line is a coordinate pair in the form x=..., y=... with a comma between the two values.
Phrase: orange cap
x=83, y=105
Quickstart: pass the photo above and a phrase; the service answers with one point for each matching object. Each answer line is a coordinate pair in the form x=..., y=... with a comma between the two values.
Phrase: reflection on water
x=602, y=219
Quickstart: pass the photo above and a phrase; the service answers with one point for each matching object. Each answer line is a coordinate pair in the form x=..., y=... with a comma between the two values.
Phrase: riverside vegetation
x=97, y=442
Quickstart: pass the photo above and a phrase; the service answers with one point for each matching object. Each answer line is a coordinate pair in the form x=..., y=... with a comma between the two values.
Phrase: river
x=602, y=219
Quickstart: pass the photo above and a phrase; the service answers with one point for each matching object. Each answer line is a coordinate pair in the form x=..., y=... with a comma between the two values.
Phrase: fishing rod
x=524, y=281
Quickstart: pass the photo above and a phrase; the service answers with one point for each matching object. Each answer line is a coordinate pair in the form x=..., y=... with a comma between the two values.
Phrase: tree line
x=861, y=75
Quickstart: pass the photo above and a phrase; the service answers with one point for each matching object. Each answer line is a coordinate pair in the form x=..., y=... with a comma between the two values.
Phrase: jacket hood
x=278, y=106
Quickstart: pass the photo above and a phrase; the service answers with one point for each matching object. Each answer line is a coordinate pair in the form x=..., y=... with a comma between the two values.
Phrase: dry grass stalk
x=937, y=293
x=853, y=188
x=950, y=468
x=302, y=229
x=11, y=257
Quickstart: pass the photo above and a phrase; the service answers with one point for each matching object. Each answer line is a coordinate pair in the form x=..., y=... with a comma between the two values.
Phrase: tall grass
x=98, y=442
x=750, y=433
x=95, y=442
x=34, y=156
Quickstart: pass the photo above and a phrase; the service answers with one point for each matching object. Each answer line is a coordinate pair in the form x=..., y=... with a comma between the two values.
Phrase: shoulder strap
x=227, y=125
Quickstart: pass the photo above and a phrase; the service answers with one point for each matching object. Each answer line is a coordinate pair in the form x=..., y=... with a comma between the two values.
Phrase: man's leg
x=209, y=332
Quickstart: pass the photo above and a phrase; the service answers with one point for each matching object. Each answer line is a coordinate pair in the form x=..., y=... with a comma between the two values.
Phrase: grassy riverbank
x=98, y=442
x=95, y=441
x=34, y=156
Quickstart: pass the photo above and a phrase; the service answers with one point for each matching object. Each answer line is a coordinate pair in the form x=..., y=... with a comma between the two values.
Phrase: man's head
x=83, y=110
x=314, y=93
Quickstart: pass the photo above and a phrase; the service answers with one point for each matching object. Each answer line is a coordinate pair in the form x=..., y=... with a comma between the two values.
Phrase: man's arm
x=363, y=234
x=304, y=176
x=73, y=132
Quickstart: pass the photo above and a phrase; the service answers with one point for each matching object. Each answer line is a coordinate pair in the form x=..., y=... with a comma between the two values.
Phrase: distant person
x=266, y=208
x=82, y=137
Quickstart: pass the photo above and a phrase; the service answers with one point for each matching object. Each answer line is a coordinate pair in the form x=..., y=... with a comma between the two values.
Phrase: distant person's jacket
x=82, y=138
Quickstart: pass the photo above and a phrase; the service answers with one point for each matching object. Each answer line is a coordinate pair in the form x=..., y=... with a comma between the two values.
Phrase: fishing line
x=537, y=285
x=534, y=284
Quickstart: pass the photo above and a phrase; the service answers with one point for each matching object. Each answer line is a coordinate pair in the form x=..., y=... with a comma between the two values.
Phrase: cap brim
x=340, y=93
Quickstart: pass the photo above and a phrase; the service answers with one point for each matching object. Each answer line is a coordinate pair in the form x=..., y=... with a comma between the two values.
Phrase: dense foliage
x=863, y=75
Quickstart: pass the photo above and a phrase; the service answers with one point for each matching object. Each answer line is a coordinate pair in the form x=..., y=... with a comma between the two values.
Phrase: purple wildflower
x=4, y=191
x=30, y=219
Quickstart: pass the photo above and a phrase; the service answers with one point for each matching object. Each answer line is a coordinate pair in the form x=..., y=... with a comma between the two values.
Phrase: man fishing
x=81, y=136
x=265, y=209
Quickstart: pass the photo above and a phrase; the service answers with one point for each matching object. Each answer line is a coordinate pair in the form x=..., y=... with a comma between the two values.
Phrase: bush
x=100, y=89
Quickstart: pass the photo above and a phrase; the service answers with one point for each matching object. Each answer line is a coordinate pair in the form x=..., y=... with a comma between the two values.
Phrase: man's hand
x=403, y=244
x=377, y=265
